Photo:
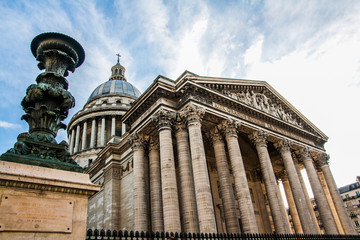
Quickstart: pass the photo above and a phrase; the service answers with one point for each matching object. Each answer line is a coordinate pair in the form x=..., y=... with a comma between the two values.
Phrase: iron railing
x=131, y=235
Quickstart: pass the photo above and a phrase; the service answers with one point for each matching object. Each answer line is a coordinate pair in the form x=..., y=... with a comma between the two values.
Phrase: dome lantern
x=118, y=71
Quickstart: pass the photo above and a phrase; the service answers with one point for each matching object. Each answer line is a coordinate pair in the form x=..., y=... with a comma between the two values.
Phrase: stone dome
x=117, y=84
x=118, y=87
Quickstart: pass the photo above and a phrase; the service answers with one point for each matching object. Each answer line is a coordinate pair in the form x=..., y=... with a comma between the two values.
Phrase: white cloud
x=4, y=124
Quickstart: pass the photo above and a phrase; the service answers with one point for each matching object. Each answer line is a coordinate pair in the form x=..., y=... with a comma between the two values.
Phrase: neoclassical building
x=203, y=154
x=100, y=120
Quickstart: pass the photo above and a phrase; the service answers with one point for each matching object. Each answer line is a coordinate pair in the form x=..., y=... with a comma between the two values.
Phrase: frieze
x=263, y=103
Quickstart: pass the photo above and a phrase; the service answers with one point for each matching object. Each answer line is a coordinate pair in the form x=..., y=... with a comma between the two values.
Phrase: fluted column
x=83, y=139
x=171, y=211
x=329, y=199
x=308, y=201
x=140, y=173
x=248, y=219
x=292, y=207
x=272, y=190
x=339, y=204
x=72, y=141
x=321, y=202
x=204, y=200
x=102, y=132
x=157, y=220
x=190, y=222
x=227, y=193
x=123, y=128
x=113, y=126
x=93, y=133
x=307, y=224
x=77, y=139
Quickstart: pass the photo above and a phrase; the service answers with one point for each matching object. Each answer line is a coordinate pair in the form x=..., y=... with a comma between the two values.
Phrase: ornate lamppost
x=47, y=104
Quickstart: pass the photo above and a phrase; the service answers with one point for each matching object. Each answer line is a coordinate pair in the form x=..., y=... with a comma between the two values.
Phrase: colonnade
x=190, y=208
x=78, y=136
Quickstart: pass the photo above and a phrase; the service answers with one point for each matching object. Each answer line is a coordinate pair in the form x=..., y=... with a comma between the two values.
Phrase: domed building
x=203, y=154
x=100, y=120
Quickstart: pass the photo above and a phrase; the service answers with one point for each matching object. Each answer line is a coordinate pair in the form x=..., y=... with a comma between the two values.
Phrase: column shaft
x=72, y=141
x=168, y=181
x=83, y=139
x=321, y=202
x=308, y=201
x=123, y=128
x=140, y=173
x=330, y=201
x=102, y=133
x=307, y=224
x=77, y=138
x=157, y=220
x=93, y=133
x=227, y=193
x=272, y=190
x=113, y=126
x=248, y=219
x=292, y=207
x=203, y=193
x=339, y=204
x=190, y=222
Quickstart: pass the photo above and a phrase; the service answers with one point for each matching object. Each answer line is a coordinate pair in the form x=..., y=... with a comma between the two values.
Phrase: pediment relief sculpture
x=263, y=103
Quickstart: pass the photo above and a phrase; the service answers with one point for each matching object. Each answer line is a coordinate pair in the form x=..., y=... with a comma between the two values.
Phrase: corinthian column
x=292, y=207
x=272, y=190
x=308, y=201
x=83, y=142
x=140, y=173
x=157, y=221
x=72, y=140
x=321, y=202
x=248, y=219
x=113, y=126
x=227, y=194
x=93, y=133
x=190, y=222
x=307, y=223
x=203, y=194
x=338, y=202
x=102, y=132
x=77, y=138
x=170, y=198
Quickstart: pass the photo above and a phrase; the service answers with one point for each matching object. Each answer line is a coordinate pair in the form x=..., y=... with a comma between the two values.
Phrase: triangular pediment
x=260, y=96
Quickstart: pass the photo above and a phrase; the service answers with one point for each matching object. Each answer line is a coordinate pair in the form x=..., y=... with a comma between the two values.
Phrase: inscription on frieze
x=33, y=214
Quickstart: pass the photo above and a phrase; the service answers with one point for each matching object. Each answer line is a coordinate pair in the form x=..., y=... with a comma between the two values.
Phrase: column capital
x=282, y=175
x=192, y=113
x=215, y=135
x=179, y=124
x=138, y=141
x=230, y=127
x=321, y=159
x=259, y=138
x=153, y=144
x=163, y=118
x=304, y=153
x=284, y=145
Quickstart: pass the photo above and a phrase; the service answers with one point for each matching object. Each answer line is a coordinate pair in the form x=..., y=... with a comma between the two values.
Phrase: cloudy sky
x=309, y=51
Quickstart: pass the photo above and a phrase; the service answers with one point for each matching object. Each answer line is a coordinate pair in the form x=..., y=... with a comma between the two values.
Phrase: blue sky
x=309, y=51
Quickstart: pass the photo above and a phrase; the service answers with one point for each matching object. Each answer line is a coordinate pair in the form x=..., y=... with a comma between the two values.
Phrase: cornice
x=44, y=184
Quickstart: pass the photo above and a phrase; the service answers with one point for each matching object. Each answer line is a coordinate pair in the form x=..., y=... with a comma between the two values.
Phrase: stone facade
x=204, y=154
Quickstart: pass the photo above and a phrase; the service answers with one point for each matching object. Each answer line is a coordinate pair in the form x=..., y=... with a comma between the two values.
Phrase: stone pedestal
x=43, y=203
